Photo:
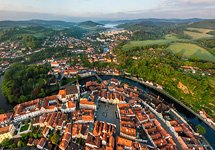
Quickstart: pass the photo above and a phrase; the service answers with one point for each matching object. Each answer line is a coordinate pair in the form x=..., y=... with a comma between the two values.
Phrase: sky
x=77, y=10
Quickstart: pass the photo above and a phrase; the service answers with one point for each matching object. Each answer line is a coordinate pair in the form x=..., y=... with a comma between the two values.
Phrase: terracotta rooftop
x=71, y=104
x=128, y=131
x=50, y=102
x=42, y=142
x=85, y=101
x=62, y=93
x=63, y=145
x=5, y=116
x=4, y=129
x=122, y=142
x=27, y=107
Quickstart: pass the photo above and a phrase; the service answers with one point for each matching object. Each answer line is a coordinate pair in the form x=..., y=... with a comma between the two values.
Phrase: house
x=85, y=104
x=50, y=104
x=41, y=143
x=128, y=132
x=32, y=142
x=62, y=95
x=45, y=131
x=55, y=64
x=66, y=137
x=80, y=131
x=5, y=118
x=101, y=136
x=72, y=71
x=122, y=143
x=7, y=132
x=69, y=93
x=68, y=107
x=83, y=116
x=92, y=141
x=112, y=97
x=56, y=120
x=27, y=110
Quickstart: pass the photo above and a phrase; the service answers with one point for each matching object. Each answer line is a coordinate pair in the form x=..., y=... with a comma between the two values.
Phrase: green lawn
x=191, y=51
x=24, y=128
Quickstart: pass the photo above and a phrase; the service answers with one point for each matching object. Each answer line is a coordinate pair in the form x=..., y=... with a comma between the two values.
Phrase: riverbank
x=174, y=99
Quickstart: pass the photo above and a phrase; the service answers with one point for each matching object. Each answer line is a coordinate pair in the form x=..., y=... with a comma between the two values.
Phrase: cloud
x=187, y=3
x=164, y=9
x=196, y=1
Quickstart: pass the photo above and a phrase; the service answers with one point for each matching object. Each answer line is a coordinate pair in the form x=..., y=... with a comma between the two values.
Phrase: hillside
x=208, y=24
x=191, y=51
x=89, y=24
x=43, y=23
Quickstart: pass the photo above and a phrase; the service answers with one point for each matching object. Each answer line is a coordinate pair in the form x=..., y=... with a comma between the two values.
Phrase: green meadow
x=191, y=51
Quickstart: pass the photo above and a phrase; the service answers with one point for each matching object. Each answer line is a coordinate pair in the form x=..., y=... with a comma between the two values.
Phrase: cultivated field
x=198, y=33
x=191, y=51
x=202, y=30
x=133, y=44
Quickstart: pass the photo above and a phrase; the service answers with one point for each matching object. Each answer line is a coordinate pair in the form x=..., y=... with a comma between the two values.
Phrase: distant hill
x=154, y=20
x=208, y=24
x=43, y=23
x=193, y=22
x=89, y=24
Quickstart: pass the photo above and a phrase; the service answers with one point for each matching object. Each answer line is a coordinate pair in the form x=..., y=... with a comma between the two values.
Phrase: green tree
x=200, y=129
x=6, y=143
x=20, y=144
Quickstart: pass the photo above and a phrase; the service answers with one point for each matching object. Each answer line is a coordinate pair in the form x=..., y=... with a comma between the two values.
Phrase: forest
x=23, y=83
x=162, y=67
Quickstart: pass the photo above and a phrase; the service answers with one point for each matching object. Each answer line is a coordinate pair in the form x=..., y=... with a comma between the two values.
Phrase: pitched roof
x=5, y=116
x=42, y=142
x=71, y=89
x=123, y=142
x=4, y=129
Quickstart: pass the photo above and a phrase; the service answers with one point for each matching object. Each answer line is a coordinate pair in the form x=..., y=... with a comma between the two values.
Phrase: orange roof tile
x=62, y=93
x=4, y=129
x=123, y=142
x=128, y=131
x=5, y=116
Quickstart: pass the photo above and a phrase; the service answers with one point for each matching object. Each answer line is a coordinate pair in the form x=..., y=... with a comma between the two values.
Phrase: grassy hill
x=198, y=33
x=208, y=24
x=200, y=30
x=134, y=44
x=191, y=51
x=177, y=46
x=169, y=39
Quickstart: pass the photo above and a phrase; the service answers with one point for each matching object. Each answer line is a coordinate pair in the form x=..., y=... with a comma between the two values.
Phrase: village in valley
x=79, y=117
x=97, y=113
x=94, y=108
